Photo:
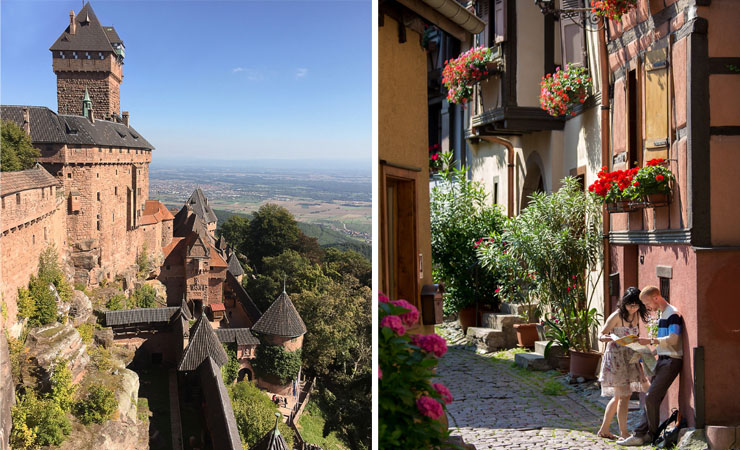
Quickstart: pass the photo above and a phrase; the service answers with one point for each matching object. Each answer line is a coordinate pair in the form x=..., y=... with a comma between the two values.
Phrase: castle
x=88, y=196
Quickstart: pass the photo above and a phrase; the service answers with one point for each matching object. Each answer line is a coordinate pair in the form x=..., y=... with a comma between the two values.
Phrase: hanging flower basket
x=631, y=189
x=563, y=89
x=612, y=9
x=462, y=73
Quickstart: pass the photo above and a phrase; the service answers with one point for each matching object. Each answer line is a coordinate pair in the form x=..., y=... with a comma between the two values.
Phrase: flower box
x=562, y=90
x=612, y=9
x=633, y=189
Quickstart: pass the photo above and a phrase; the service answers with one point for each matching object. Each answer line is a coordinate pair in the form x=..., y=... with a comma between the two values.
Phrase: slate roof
x=221, y=243
x=235, y=268
x=89, y=34
x=199, y=204
x=281, y=319
x=242, y=336
x=36, y=178
x=250, y=307
x=141, y=315
x=48, y=127
x=273, y=440
x=203, y=344
x=220, y=412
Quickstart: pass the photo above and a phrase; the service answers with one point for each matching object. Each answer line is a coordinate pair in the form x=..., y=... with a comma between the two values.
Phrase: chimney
x=72, y=24
x=91, y=115
x=125, y=118
x=26, y=121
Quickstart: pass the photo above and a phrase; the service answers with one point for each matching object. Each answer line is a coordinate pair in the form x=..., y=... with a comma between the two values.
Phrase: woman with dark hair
x=619, y=377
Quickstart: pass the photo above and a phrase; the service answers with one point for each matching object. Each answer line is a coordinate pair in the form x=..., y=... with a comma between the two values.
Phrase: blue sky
x=218, y=79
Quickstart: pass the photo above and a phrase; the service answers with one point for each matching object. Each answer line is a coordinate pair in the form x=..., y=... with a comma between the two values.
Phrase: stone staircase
x=536, y=360
x=496, y=332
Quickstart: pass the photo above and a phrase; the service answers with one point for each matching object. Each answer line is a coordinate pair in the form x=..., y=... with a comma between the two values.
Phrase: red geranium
x=613, y=9
x=564, y=88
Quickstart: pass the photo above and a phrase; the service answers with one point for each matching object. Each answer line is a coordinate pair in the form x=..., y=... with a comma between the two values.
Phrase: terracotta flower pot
x=584, y=364
x=526, y=334
x=564, y=363
x=466, y=317
x=657, y=198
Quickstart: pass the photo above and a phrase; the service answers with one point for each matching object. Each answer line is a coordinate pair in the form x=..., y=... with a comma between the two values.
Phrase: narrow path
x=175, y=424
x=497, y=406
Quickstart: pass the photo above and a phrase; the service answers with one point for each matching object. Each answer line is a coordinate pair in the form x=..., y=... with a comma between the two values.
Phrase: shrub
x=142, y=409
x=409, y=403
x=16, y=149
x=101, y=358
x=26, y=304
x=459, y=218
x=62, y=388
x=143, y=297
x=37, y=422
x=274, y=361
x=45, y=304
x=255, y=414
x=230, y=370
x=142, y=261
x=98, y=406
x=51, y=272
x=116, y=302
x=86, y=331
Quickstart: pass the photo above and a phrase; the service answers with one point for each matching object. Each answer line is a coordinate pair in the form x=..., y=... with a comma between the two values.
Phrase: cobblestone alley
x=498, y=406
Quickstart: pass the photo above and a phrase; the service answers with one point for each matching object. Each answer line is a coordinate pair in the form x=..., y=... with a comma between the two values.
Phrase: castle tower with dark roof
x=88, y=56
x=281, y=324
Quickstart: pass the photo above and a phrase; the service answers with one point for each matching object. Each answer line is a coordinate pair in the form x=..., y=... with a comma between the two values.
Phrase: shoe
x=632, y=441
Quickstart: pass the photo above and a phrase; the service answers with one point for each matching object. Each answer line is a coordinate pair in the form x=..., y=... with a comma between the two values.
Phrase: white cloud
x=301, y=72
x=237, y=69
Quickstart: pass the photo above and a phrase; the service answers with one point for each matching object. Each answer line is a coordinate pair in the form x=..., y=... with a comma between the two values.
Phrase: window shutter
x=656, y=104
x=484, y=13
x=572, y=34
x=499, y=13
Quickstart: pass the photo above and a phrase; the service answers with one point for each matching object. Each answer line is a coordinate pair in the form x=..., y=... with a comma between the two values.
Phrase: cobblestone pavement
x=499, y=406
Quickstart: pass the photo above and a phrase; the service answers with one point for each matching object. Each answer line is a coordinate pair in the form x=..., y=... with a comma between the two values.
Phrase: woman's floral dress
x=619, y=376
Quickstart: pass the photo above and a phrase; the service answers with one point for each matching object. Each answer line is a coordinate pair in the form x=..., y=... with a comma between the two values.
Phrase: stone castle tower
x=88, y=55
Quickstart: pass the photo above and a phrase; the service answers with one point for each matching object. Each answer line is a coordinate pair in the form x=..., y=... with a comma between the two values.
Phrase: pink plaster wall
x=719, y=333
x=725, y=203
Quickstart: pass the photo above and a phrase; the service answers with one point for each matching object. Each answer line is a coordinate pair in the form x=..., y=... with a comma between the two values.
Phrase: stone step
x=487, y=339
x=552, y=356
x=504, y=323
x=531, y=361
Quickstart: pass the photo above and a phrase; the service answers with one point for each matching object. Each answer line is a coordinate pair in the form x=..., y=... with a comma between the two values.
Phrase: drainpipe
x=510, y=164
x=603, y=68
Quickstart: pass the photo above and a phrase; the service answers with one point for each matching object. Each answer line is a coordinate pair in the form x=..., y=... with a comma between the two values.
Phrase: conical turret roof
x=273, y=440
x=281, y=319
x=203, y=343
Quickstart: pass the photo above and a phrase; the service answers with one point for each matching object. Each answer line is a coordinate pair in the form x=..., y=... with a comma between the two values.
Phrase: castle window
x=100, y=55
x=17, y=199
x=98, y=174
x=33, y=239
x=98, y=225
x=3, y=202
x=115, y=189
x=69, y=174
x=61, y=55
x=98, y=196
x=43, y=193
x=74, y=55
x=46, y=236
x=87, y=55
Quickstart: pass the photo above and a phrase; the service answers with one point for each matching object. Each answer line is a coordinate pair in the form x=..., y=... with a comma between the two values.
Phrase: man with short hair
x=670, y=362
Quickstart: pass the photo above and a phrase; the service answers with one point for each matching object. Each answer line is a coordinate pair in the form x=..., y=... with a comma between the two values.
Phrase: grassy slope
x=311, y=426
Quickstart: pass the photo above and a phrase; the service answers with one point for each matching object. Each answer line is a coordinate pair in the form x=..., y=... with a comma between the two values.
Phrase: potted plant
x=652, y=183
x=462, y=73
x=460, y=215
x=563, y=89
x=435, y=159
x=517, y=283
x=612, y=188
x=554, y=333
x=411, y=407
x=612, y=9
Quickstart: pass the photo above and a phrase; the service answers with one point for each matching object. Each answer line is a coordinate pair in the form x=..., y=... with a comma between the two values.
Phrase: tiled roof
x=36, y=178
x=203, y=343
x=273, y=440
x=110, y=32
x=250, y=307
x=141, y=315
x=281, y=319
x=48, y=127
x=219, y=411
x=199, y=204
x=242, y=336
x=217, y=307
x=89, y=34
x=155, y=211
x=235, y=268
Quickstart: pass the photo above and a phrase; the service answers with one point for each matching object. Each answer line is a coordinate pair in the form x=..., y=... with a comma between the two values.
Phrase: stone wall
x=7, y=393
x=102, y=84
x=28, y=228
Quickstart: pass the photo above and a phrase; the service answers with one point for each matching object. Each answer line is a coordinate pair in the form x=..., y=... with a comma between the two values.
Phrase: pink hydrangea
x=382, y=298
x=394, y=323
x=429, y=407
x=380, y=373
x=430, y=343
x=409, y=318
x=443, y=392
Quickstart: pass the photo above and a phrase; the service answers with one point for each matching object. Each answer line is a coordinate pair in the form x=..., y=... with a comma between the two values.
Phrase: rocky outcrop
x=159, y=288
x=128, y=395
x=7, y=393
x=80, y=308
x=104, y=337
x=45, y=344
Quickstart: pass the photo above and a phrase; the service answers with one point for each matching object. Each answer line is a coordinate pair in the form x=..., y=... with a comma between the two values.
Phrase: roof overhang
x=449, y=15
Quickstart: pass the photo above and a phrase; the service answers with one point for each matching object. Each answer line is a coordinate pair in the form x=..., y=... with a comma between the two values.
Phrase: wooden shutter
x=499, y=15
x=484, y=12
x=656, y=104
x=572, y=34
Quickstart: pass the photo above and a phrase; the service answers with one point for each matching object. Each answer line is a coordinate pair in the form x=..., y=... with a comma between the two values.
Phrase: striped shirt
x=670, y=327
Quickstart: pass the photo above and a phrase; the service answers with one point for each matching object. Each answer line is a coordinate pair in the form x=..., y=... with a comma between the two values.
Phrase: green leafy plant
x=255, y=414
x=37, y=422
x=142, y=262
x=563, y=89
x=460, y=216
x=409, y=404
x=18, y=153
x=98, y=406
x=62, y=388
x=86, y=331
x=116, y=302
x=654, y=178
x=230, y=370
x=143, y=297
x=275, y=362
x=555, y=334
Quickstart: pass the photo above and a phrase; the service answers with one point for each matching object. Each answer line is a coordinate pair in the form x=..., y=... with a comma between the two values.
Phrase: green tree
x=349, y=262
x=276, y=363
x=272, y=230
x=230, y=370
x=143, y=297
x=16, y=150
x=51, y=271
x=235, y=230
x=26, y=304
x=116, y=302
x=255, y=414
x=98, y=406
x=45, y=309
